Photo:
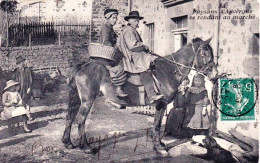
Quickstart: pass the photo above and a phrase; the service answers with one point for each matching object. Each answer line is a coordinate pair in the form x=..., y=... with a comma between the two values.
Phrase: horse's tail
x=74, y=100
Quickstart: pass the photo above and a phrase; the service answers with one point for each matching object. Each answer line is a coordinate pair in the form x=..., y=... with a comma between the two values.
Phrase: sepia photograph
x=145, y=81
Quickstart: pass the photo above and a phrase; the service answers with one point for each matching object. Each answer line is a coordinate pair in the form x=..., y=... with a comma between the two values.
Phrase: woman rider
x=108, y=37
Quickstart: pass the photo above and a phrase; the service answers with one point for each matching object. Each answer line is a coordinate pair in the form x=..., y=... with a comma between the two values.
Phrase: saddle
x=118, y=76
x=114, y=71
x=135, y=79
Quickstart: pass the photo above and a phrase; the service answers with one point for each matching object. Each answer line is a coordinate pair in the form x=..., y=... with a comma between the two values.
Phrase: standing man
x=136, y=58
x=23, y=75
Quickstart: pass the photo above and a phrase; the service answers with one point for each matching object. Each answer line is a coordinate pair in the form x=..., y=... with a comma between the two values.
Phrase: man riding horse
x=92, y=77
x=136, y=58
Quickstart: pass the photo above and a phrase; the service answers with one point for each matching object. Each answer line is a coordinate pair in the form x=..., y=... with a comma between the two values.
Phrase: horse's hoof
x=87, y=151
x=162, y=144
x=69, y=146
x=26, y=130
x=160, y=150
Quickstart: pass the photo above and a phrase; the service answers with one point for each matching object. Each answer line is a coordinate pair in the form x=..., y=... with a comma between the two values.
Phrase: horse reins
x=180, y=64
x=195, y=61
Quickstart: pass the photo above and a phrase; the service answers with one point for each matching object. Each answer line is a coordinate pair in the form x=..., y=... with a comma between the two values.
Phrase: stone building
x=98, y=8
x=234, y=27
x=54, y=10
x=170, y=24
x=167, y=26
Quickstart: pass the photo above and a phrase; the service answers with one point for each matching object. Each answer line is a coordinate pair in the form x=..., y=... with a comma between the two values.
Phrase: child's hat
x=11, y=83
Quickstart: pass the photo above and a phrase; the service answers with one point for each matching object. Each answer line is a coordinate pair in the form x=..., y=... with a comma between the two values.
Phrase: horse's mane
x=199, y=40
x=196, y=39
x=193, y=41
x=185, y=47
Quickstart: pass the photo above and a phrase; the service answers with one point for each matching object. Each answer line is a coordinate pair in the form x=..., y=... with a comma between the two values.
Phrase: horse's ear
x=207, y=41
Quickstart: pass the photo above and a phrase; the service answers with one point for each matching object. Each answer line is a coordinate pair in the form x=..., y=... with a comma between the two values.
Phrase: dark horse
x=93, y=77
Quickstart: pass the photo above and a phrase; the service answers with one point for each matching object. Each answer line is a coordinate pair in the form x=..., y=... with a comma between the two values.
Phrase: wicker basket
x=102, y=51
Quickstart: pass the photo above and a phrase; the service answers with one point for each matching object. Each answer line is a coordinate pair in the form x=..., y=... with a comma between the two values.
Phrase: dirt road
x=119, y=136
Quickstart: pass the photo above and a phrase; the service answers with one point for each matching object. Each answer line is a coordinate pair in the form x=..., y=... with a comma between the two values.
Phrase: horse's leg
x=88, y=92
x=73, y=107
x=81, y=119
x=66, y=136
x=159, y=112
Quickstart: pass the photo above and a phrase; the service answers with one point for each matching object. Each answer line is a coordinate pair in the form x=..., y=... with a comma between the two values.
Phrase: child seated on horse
x=197, y=117
x=13, y=107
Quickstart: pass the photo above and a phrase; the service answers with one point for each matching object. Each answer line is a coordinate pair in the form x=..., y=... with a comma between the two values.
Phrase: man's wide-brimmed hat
x=19, y=60
x=11, y=83
x=133, y=14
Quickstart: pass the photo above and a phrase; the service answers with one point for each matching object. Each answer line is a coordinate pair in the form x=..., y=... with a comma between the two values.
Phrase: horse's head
x=204, y=59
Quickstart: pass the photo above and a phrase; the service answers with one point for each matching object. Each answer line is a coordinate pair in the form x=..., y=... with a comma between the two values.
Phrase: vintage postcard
x=129, y=81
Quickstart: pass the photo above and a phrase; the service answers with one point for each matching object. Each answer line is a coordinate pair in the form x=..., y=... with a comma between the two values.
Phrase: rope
x=180, y=64
x=178, y=67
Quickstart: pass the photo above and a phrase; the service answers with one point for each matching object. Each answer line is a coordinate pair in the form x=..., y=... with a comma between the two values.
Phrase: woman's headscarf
x=109, y=12
x=201, y=77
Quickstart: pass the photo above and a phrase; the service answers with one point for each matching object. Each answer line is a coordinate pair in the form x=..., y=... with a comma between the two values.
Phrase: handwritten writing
x=100, y=141
x=156, y=138
x=37, y=146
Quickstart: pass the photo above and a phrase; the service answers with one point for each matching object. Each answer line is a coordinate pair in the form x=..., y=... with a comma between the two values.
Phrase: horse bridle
x=194, y=63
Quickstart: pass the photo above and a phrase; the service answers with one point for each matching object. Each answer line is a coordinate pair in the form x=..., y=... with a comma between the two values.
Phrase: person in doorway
x=108, y=37
x=23, y=75
x=136, y=58
x=197, y=116
x=12, y=103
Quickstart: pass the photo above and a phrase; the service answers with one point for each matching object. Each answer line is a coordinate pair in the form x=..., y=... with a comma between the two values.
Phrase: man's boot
x=120, y=92
x=147, y=80
x=156, y=98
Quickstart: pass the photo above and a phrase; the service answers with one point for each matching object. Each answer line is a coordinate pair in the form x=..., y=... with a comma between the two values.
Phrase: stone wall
x=153, y=12
x=236, y=52
x=98, y=8
x=64, y=57
x=236, y=55
x=236, y=37
x=238, y=41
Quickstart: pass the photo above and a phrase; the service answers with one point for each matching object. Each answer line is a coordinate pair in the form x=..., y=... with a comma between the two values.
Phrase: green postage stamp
x=237, y=99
